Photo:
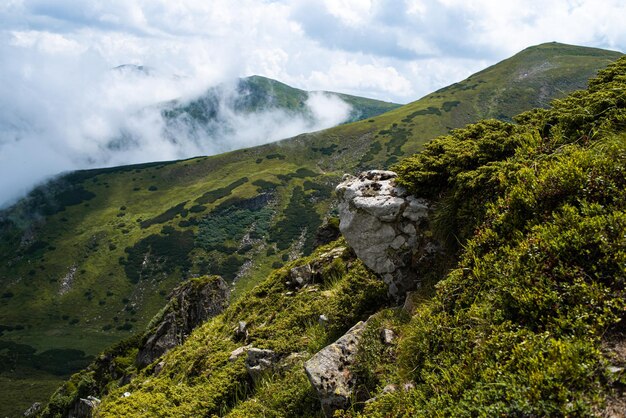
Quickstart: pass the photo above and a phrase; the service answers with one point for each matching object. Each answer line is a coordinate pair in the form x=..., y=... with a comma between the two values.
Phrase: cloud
x=61, y=105
x=64, y=109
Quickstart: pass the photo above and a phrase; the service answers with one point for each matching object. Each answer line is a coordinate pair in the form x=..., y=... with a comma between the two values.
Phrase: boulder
x=386, y=228
x=190, y=304
x=84, y=408
x=329, y=370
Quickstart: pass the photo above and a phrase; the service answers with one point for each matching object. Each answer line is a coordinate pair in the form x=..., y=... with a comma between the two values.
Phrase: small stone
x=260, y=360
x=410, y=303
x=322, y=320
x=33, y=410
x=390, y=388
x=159, y=366
x=238, y=352
x=300, y=276
x=126, y=394
x=387, y=336
x=241, y=332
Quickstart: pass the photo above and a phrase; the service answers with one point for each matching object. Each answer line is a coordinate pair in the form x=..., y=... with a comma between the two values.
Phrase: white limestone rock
x=385, y=227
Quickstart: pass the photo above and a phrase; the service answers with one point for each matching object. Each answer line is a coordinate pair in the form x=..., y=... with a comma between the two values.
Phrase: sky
x=61, y=102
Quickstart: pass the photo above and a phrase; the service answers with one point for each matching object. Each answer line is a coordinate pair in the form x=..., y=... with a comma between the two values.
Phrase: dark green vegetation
x=76, y=278
x=526, y=325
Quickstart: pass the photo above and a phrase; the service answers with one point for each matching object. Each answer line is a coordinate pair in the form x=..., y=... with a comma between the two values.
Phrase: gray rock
x=158, y=368
x=33, y=410
x=385, y=227
x=84, y=408
x=190, y=304
x=241, y=332
x=238, y=352
x=329, y=370
x=259, y=361
x=387, y=336
x=300, y=276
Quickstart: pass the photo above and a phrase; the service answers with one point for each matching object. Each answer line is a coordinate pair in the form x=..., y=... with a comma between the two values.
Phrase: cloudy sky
x=60, y=102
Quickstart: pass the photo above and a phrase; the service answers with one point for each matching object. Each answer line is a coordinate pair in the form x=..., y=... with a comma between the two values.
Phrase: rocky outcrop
x=329, y=370
x=84, y=408
x=190, y=304
x=33, y=410
x=385, y=227
x=307, y=274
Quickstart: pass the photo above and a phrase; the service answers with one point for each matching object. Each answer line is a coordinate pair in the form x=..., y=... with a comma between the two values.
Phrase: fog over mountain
x=76, y=116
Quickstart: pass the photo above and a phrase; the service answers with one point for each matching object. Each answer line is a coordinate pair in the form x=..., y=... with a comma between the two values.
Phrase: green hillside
x=89, y=258
x=528, y=322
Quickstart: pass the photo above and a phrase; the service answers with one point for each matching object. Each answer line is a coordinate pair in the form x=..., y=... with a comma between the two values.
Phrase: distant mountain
x=254, y=110
x=88, y=259
x=257, y=93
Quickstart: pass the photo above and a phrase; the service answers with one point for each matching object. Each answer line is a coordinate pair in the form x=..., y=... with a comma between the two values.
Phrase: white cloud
x=60, y=103
x=371, y=79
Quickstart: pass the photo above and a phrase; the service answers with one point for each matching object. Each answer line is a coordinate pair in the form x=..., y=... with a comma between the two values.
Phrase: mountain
x=257, y=94
x=256, y=110
x=90, y=257
x=521, y=313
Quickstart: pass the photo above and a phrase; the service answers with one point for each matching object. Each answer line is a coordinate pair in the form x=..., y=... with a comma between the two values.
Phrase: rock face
x=84, y=408
x=329, y=370
x=385, y=227
x=190, y=304
x=33, y=410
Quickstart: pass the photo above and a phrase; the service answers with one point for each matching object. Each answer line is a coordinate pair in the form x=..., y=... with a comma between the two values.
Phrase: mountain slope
x=528, y=321
x=90, y=257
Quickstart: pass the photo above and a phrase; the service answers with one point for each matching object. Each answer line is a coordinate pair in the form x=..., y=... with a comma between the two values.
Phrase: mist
x=75, y=111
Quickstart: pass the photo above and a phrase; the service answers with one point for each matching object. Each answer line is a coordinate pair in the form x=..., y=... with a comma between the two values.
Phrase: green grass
x=92, y=233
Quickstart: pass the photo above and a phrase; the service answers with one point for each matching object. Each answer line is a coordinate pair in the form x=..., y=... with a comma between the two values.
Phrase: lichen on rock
x=329, y=370
x=386, y=227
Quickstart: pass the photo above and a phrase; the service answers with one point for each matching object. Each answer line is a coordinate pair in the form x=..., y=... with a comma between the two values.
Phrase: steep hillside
x=528, y=321
x=89, y=258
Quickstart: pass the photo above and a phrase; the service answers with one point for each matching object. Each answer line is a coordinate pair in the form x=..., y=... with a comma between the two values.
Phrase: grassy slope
x=93, y=235
x=528, y=323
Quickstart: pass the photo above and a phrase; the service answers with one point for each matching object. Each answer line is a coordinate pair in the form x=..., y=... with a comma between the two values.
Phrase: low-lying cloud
x=74, y=115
